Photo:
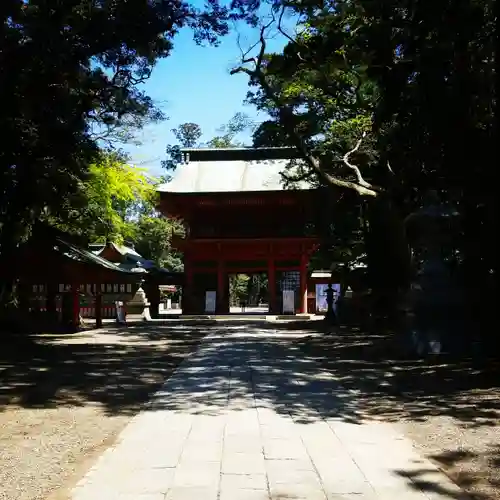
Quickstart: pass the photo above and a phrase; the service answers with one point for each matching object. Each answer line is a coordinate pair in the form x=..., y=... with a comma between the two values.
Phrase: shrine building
x=239, y=218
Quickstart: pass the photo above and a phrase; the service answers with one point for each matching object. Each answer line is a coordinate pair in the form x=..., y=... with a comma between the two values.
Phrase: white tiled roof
x=227, y=176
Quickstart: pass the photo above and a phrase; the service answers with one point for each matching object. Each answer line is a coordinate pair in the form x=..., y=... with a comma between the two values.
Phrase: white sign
x=288, y=302
x=120, y=312
x=210, y=301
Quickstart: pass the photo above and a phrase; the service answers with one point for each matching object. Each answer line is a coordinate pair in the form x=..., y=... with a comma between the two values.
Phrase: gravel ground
x=42, y=450
x=449, y=408
x=64, y=399
x=470, y=455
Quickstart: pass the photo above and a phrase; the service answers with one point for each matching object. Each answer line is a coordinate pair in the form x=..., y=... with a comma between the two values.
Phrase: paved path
x=248, y=418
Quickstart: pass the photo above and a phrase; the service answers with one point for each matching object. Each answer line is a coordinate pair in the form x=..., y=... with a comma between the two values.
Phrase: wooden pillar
x=153, y=296
x=75, y=298
x=187, y=289
x=303, y=285
x=98, y=306
x=221, y=287
x=271, y=279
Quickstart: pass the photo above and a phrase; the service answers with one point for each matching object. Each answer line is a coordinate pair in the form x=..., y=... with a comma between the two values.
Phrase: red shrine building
x=239, y=218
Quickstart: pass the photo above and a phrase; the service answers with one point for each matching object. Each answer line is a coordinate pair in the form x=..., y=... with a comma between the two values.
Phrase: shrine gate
x=238, y=218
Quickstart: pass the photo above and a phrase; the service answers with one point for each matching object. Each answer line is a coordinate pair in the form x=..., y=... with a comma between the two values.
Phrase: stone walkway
x=248, y=418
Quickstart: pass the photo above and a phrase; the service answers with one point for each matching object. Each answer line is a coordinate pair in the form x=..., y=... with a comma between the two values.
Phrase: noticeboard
x=288, y=302
x=210, y=301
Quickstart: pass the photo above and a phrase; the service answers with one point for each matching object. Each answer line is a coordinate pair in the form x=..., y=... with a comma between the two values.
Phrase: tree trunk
x=10, y=237
x=389, y=256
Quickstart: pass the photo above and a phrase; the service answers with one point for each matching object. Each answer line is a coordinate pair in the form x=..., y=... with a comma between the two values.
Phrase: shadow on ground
x=293, y=367
x=118, y=369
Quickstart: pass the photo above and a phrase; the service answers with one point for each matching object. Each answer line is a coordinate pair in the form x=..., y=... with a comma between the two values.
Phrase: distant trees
x=188, y=135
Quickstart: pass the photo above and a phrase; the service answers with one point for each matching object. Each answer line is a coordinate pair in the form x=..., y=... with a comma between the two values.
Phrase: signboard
x=120, y=312
x=210, y=301
x=288, y=302
x=321, y=305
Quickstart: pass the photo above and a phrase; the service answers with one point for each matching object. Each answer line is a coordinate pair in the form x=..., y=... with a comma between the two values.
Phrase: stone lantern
x=433, y=292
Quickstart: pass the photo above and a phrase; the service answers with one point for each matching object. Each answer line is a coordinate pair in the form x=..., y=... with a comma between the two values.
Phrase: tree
x=152, y=240
x=238, y=288
x=187, y=134
x=118, y=203
x=111, y=199
x=238, y=124
x=377, y=78
x=322, y=100
x=74, y=73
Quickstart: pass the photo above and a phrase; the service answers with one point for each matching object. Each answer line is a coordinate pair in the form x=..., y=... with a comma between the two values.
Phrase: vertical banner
x=210, y=301
x=321, y=305
x=288, y=302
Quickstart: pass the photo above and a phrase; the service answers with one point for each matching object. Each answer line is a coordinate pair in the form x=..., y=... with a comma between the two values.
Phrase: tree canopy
x=71, y=82
x=71, y=76
x=387, y=100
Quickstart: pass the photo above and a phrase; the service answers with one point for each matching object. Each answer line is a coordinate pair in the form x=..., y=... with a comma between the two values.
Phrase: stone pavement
x=248, y=418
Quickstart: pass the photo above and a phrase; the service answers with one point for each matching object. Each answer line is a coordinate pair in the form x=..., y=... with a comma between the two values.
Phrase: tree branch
x=299, y=177
x=286, y=35
x=356, y=170
x=286, y=116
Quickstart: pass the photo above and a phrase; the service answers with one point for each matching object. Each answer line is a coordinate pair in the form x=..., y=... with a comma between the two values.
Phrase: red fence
x=108, y=311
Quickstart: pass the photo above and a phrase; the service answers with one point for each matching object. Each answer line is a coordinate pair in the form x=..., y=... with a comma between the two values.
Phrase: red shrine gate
x=239, y=219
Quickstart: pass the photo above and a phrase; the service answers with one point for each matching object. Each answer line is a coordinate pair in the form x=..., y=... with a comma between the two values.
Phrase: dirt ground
x=450, y=408
x=65, y=398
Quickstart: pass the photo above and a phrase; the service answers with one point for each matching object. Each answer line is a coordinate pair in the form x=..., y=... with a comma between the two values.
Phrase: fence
x=108, y=311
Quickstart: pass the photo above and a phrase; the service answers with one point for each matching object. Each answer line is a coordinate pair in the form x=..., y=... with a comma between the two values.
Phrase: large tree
x=71, y=74
x=394, y=85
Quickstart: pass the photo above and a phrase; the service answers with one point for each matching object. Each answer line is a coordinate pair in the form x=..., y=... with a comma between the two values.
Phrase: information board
x=210, y=301
x=288, y=302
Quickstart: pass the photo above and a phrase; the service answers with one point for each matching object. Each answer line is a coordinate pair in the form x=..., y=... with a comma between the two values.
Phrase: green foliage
x=117, y=192
x=109, y=201
x=238, y=288
x=418, y=77
x=153, y=241
x=74, y=74
x=118, y=203
x=238, y=124
x=187, y=134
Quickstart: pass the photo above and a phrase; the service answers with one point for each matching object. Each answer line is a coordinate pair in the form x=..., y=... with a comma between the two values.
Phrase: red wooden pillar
x=221, y=287
x=271, y=280
x=98, y=306
x=75, y=295
x=303, y=285
x=187, y=291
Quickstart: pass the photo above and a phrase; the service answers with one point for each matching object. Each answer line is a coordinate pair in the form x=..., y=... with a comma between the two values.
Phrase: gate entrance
x=241, y=222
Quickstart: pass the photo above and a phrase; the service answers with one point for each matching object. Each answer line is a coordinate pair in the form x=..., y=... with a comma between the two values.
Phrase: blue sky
x=194, y=85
